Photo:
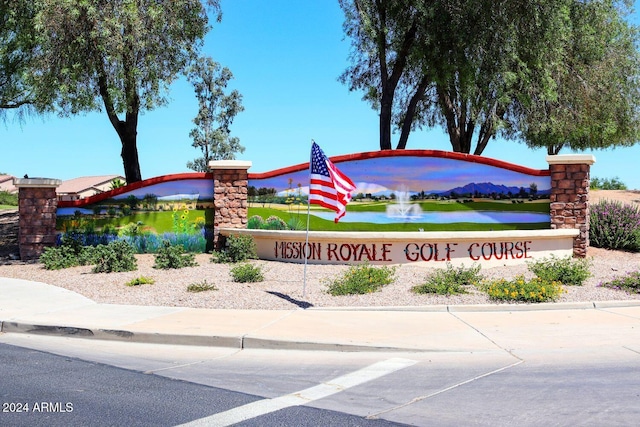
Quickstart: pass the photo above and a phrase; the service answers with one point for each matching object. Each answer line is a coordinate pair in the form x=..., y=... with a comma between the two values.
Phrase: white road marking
x=262, y=407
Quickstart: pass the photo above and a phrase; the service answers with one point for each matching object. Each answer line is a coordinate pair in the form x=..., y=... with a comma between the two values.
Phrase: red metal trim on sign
x=130, y=187
x=409, y=153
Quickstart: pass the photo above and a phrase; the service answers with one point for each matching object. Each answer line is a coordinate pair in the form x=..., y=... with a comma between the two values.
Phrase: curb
x=121, y=335
x=238, y=342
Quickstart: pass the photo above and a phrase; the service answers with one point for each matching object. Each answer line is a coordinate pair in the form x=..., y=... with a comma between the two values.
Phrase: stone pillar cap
x=571, y=159
x=36, y=182
x=229, y=164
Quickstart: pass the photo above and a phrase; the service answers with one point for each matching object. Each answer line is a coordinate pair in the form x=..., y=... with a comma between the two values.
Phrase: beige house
x=79, y=188
x=6, y=184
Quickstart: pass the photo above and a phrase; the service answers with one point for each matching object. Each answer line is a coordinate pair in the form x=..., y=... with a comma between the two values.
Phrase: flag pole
x=306, y=239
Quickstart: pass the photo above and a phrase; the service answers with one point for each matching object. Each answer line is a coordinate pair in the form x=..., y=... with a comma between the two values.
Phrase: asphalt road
x=114, y=383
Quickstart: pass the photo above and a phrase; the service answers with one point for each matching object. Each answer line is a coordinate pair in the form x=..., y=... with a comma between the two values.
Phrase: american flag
x=328, y=187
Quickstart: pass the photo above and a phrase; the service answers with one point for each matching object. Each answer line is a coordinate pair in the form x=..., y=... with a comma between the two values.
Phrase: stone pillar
x=230, y=182
x=37, y=204
x=570, y=196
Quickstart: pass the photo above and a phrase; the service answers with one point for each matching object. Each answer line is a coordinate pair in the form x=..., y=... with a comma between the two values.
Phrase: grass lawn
x=6, y=207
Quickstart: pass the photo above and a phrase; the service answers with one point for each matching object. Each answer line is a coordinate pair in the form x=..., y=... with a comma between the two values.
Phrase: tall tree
x=216, y=111
x=482, y=73
x=513, y=68
x=17, y=44
x=119, y=56
x=382, y=33
x=597, y=100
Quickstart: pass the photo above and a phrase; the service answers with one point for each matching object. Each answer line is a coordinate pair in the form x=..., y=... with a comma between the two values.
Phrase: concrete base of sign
x=488, y=248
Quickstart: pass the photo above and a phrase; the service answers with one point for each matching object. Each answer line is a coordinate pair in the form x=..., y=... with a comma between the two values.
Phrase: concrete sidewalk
x=37, y=308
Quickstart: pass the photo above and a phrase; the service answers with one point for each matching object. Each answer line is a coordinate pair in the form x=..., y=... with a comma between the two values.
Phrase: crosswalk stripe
x=262, y=407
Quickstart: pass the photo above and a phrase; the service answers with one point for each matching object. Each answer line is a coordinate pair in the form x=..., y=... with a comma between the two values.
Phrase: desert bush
x=607, y=184
x=56, y=258
x=629, y=283
x=568, y=271
x=614, y=225
x=142, y=280
x=70, y=253
x=520, y=289
x=361, y=279
x=238, y=248
x=450, y=281
x=246, y=273
x=170, y=256
x=115, y=257
x=201, y=287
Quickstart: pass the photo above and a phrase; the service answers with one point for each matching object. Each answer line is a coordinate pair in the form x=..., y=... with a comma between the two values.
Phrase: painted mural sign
x=411, y=190
x=177, y=208
x=406, y=190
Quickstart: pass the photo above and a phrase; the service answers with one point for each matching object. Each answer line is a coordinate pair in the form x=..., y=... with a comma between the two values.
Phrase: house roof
x=83, y=183
x=6, y=184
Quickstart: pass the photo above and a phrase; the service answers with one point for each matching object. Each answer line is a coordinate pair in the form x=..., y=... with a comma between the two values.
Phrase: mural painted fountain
x=403, y=208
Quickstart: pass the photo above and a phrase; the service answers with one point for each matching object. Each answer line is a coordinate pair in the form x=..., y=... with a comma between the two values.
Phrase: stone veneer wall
x=230, y=182
x=37, y=204
x=569, y=206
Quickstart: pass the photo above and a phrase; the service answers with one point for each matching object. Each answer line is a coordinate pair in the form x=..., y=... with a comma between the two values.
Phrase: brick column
x=570, y=196
x=37, y=204
x=230, y=182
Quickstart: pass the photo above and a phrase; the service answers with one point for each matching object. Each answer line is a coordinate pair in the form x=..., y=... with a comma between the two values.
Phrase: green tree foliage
x=597, y=93
x=119, y=56
x=383, y=34
x=216, y=111
x=535, y=70
x=17, y=44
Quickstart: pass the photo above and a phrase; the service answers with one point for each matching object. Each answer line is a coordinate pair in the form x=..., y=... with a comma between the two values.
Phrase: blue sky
x=286, y=58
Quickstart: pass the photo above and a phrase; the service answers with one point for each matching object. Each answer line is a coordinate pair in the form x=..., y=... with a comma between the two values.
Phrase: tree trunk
x=411, y=112
x=129, y=154
x=385, y=122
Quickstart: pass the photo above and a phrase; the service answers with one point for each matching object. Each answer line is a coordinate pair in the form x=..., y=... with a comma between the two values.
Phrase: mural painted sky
x=413, y=174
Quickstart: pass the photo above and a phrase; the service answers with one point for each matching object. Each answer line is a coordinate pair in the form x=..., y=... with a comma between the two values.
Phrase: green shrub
x=450, y=281
x=170, y=256
x=522, y=290
x=629, y=283
x=614, y=225
x=70, y=253
x=255, y=222
x=568, y=271
x=201, y=287
x=7, y=198
x=246, y=273
x=607, y=184
x=142, y=280
x=56, y=258
x=115, y=257
x=361, y=279
x=238, y=248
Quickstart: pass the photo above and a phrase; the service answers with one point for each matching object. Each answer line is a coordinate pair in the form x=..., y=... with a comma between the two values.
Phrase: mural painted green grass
x=453, y=206
x=158, y=222
x=318, y=224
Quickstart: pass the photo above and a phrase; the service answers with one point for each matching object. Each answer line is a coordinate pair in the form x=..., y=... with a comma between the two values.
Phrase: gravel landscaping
x=283, y=284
